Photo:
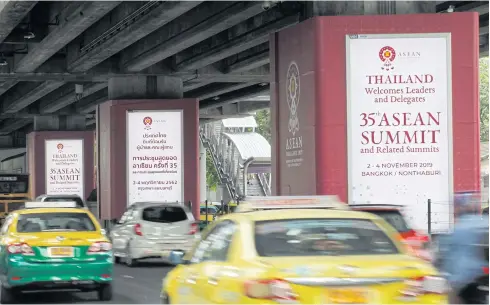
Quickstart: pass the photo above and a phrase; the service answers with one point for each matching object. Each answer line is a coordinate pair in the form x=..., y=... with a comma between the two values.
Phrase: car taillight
x=425, y=285
x=137, y=229
x=20, y=248
x=100, y=246
x=194, y=228
x=271, y=289
x=485, y=270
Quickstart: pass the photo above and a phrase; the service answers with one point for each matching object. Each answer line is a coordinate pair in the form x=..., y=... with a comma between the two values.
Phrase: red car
x=393, y=215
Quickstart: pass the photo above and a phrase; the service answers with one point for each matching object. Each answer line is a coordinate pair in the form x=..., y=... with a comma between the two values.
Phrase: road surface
x=137, y=285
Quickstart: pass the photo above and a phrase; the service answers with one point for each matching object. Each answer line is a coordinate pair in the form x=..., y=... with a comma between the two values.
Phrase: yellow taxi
x=314, y=252
x=54, y=246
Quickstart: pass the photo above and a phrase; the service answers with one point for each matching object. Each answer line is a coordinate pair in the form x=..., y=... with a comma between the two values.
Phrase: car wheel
x=6, y=295
x=104, y=293
x=117, y=260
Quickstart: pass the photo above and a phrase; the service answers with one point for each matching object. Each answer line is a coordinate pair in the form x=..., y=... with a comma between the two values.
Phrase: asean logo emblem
x=147, y=121
x=60, y=147
x=292, y=89
x=387, y=55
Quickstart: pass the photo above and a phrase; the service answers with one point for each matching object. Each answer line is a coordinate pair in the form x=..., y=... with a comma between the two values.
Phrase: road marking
x=128, y=276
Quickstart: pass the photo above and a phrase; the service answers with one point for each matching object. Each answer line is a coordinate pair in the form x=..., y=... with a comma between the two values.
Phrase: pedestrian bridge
x=242, y=157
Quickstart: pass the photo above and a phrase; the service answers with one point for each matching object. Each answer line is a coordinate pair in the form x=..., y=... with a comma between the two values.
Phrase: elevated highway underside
x=219, y=49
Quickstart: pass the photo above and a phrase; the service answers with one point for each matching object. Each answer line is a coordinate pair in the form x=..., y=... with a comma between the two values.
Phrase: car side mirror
x=103, y=231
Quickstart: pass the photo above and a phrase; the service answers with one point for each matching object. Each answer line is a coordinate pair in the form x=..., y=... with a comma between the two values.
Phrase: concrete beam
x=16, y=37
x=89, y=103
x=59, y=122
x=217, y=90
x=11, y=14
x=249, y=63
x=102, y=78
x=336, y=8
x=484, y=50
x=11, y=125
x=236, y=96
x=484, y=30
x=481, y=7
x=14, y=140
x=251, y=77
x=192, y=85
x=74, y=21
x=33, y=114
x=243, y=107
x=483, y=26
x=149, y=17
x=216, y=23
x=26, y=94
x=241, y=43
x=51, y=106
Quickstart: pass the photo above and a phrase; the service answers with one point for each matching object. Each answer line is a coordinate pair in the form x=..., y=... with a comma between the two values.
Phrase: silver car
x=153, y=230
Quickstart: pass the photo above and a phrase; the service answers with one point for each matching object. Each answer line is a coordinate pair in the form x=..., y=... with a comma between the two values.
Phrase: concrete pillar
x=321, y=73
x=202, y=172
x=148, y=144
x=60, y=156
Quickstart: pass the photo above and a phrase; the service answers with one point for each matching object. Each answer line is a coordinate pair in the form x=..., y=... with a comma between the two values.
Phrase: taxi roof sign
x=291, y=202
x=53, y=204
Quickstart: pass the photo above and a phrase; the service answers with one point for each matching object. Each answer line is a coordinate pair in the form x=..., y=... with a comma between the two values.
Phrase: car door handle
x=213, y=280
x=192, y=279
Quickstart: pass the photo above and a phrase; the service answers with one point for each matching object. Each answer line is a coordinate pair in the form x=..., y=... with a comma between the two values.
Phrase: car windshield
x=77, y=200
x=321, y=237
x=394, y=218
x=45, y=222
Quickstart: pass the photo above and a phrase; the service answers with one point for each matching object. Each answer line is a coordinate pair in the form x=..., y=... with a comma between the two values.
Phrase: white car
x=153, y=230
x=67, y=197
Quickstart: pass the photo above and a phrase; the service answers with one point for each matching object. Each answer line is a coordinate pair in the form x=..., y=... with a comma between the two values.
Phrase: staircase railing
x=209, y=136
x=264, y=183
x=227, y=161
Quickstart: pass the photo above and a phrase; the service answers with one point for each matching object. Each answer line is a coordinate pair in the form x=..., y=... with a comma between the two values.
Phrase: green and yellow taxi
x=54, y=246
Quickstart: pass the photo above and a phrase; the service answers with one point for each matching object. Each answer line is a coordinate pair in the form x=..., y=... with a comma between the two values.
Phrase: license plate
x=348, y=296
x=61, y=252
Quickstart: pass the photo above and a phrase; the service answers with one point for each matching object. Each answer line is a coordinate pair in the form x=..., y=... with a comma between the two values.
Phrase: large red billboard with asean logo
x=399, y=122
x=387, y=109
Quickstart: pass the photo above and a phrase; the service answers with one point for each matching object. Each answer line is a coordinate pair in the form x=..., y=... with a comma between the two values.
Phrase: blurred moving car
x=54, y=246
x=152, y=230
x=419, y=242
x=207, y=214
x=211, y=211
x=63, y=198
x=312, y=251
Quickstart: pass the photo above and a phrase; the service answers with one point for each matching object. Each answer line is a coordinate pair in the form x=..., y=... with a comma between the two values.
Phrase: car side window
x=216, y=245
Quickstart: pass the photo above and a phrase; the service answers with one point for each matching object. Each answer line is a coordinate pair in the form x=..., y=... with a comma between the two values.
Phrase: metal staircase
x=232, y=144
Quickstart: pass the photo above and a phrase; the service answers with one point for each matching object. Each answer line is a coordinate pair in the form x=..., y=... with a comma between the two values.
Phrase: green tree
x=263, y=118
x=484, y=99
x=212, y=178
